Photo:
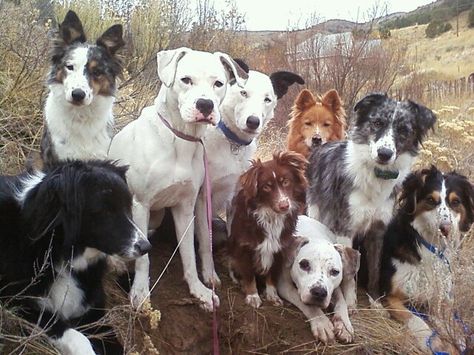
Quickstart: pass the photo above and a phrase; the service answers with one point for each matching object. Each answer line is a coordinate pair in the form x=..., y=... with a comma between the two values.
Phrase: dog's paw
x=323, y=329
x=209, y=277
x=206, y=297
x=74, y=343
x=343, y=331
x=139, y=292
x=253, y=300
x=271, y=295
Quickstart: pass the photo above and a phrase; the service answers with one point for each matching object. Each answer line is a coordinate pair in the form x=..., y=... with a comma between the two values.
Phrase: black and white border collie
x=78, y=110
x=351, y=183
x=57, y=229
x=434, y=209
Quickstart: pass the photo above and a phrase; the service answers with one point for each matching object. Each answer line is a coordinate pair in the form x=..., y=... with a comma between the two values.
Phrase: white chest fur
x=272, y=223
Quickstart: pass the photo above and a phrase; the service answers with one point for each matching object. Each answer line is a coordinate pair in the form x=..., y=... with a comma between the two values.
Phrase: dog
x=434, y=209
x=82, y=82
x=312, y=279
x=57, y=229
x=352, y=183
x=167, y=170
x=245, y=113
x=262, y=221
x=315, y=120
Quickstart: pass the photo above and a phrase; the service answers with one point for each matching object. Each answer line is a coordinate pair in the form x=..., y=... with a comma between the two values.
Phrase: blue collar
x=231, y=135
x=434, y=250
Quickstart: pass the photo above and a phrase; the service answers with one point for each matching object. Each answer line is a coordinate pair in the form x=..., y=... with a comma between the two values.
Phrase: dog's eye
x=186, y=80
x=267, y=188
x=326, y=124
x=70, y=67
x=378, y=123
x=431, y=201
x=334, y=272
x=402, y=130
x=218, y=84
x=455, y=202
x=96, y=72
x=304, y=265
x=308, y=123
x=267, y=100
x=285, y=182
x=243, y=93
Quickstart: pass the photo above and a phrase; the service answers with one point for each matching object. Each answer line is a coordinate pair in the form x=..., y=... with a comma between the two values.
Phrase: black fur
x=282, y=80
x=76, y=205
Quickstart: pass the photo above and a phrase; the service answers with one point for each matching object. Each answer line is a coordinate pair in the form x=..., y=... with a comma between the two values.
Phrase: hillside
x=447, y=57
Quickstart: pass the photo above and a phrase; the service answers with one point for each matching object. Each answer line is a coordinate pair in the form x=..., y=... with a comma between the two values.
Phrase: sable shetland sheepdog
x=57, y=229
x=263, y=221
x=315, y=120
x=434, y=209
x=78, y=111
x=351, y=183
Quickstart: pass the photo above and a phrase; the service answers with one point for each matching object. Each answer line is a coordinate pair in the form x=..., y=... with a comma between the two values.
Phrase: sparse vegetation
x=436, y=27
x=470, y=18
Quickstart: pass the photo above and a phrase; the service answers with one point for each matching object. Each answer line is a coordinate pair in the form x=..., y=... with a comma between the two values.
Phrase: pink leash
x=207, y=182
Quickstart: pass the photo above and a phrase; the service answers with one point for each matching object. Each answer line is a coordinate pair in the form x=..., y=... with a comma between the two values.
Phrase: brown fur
x=311, y=116
x=259, y=188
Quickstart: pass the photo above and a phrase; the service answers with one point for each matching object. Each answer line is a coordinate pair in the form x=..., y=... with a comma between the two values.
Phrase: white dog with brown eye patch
x=167, y=170
x=312, y=278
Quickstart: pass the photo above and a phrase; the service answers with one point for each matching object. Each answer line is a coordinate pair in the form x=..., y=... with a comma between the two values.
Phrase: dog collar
x=432, y=249
x=386, y=174
x=231, y=135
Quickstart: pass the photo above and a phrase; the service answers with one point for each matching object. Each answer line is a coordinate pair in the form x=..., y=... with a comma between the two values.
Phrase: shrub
x=470, y=18
x=436, y=27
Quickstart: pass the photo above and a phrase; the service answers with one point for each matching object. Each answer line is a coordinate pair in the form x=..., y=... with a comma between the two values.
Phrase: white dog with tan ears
x=313, y=276
x=166, y=159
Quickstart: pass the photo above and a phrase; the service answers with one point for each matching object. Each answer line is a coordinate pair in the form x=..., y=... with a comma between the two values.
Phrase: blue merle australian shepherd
x=352, y=183
x=82, y=83
x=57, y=229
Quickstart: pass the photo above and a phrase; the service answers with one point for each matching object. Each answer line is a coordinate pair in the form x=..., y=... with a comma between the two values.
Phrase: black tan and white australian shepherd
x=78, y=110
x=434, y=209
x=351, y=183
x=57, y=229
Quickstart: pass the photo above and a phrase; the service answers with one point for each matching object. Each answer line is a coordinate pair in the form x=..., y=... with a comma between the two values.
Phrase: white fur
x=386, y=141
x=75, y=78
x=370, y=199
x=28, y=183
x=167, y=171
x=323, y=257
x=89, y=256
x=272, y=223
x=73, y=342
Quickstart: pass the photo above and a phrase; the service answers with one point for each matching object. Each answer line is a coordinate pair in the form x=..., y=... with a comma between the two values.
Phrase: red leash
x=207, y=182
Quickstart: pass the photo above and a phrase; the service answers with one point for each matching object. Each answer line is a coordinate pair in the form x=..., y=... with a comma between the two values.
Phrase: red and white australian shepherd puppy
x=81, y=81
x=263, y=220
x=315, y=120
x=418, y=246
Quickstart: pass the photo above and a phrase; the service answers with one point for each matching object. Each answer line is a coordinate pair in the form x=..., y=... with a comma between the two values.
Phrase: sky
x=283, y=14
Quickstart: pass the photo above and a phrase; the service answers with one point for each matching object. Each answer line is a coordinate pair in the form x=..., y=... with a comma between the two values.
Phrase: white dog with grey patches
x=168, y=171
x=313, y=276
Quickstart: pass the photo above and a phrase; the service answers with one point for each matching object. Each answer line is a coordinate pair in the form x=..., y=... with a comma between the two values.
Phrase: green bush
x=436, y=27
x=470, y=18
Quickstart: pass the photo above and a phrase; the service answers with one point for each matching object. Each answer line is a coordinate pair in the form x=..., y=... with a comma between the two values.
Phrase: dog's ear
x=242, y=64
x=291, y=250
x=233, y=69
x=167, y=62
x=282, y=80
x=249, y=180
x=350, y=260
x=71, y=29
x=362, y=107
x=297, y=162
x=425, y=119
x=112, y=39
x=333, y=102
x=304, y=100
x=121, y=170
x=413, y=182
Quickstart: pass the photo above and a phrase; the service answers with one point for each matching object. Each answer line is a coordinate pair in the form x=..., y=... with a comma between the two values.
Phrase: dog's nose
x=253, y=122
x=316, y=140
x=445, y=228
x=319, y=293
x=205, y=106
x=78, y=95
x=284, y=205
x=384, y=154
x=142, y=246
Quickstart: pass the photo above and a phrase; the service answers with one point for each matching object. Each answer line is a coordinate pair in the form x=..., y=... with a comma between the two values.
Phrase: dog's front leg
x=140, y=290
x=373, y=243
x=321, y=326
x=349, y=291
x=184, y=224
x=342, y=325
x=209, y=274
